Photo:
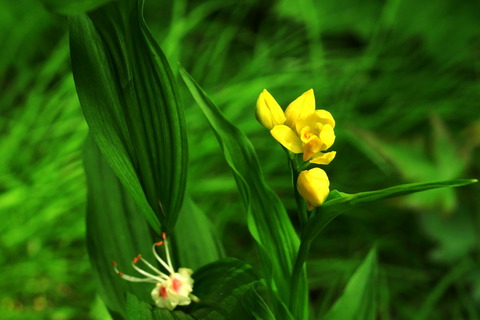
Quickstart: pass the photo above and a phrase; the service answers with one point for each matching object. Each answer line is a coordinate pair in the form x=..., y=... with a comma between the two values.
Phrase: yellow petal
x=327, y=135
x=323, y=158
x=325, y=117
x=301, y=108
x=313, y=185
x=310, y=148
x=268, y=111
x=287, y=138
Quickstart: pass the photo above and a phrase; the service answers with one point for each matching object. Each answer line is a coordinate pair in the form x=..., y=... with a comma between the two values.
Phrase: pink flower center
x=177, y=284
x=163, y=293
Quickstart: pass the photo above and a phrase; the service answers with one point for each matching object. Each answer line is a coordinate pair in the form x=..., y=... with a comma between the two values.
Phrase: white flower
x=170, y=290
x=174, y=291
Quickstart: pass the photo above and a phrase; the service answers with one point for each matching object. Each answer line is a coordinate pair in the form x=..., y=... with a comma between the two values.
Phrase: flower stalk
x=299, y=265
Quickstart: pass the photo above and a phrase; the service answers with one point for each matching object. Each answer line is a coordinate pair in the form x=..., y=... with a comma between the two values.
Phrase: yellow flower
x=313, y=185
x=268, y=111
x=301, y=129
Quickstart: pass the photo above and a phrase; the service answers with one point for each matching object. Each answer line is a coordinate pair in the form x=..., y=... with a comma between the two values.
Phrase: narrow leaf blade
x=339, y=202
x=358, y=299
x=400, y=190
x=115, y=231
x=268, y=221
x=99, y=98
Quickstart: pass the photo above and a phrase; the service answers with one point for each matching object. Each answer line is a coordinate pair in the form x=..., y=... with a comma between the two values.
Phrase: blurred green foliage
x=400, y=77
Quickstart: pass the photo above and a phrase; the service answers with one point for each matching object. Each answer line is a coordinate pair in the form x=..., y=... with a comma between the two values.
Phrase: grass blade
x=358, y=299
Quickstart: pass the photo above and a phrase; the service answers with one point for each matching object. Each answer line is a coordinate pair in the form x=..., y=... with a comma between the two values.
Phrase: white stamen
x=171, y=289
x=163, y=275
x=133, y=279
x=145, y=273
x=166, y=266
x=168, y=256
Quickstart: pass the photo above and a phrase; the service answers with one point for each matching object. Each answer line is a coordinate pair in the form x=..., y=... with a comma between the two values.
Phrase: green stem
x=301, y=206
x=297, y=272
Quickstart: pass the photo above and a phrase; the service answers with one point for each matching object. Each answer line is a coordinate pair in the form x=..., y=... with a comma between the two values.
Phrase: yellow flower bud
x=268, y=111
x=313, y=185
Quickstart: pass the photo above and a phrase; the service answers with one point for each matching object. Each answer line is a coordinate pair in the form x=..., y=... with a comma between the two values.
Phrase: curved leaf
x=115, y=231
x=254, y=304
x=228, y=291
x=339, y=202
x=358, y=301
x=129, y=97
x=268, y=221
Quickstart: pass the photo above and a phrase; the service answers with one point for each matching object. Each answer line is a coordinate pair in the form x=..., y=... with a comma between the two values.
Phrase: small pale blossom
x=172, y=289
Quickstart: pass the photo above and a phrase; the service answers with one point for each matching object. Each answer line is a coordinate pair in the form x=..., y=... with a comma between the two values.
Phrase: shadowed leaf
x=358, y=299
x=195, y=238
x=72, y=6
x=115, y=231
x=228, y=290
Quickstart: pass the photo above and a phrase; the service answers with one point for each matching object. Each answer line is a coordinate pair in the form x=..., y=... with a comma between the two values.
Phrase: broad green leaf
x=339, y=202
x=115, y=232
x=72, y=6
x=228, y=290
x=129, y=97
x=139, y=310
x=253, y=303
x=163, y=314
x=217, y=280
x=268, y=221
x=195, y=241
x=358, y=299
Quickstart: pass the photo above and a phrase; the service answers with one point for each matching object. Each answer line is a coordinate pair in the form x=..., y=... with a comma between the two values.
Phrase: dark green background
x=401, y=78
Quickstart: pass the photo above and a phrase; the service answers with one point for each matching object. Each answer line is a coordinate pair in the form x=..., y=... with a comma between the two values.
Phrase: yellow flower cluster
x=302, y=129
